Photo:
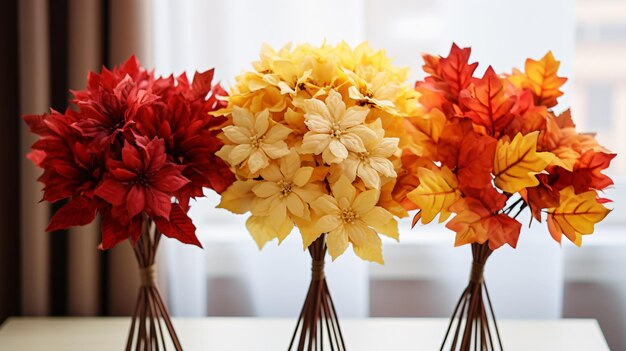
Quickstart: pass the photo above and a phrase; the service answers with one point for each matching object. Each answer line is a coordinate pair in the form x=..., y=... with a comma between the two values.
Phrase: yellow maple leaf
x=543, y=79
x=576, y=215
x=437, y=191
x=516, y=163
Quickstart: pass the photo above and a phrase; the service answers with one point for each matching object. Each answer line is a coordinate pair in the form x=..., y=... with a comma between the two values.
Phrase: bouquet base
x=473, y=324
x=151, y=327
x=318, y=324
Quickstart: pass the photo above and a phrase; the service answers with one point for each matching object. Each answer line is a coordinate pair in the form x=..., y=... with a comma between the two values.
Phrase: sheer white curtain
x=423, y=274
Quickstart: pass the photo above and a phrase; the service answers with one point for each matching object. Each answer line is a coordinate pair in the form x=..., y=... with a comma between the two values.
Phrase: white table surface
x=397, y=334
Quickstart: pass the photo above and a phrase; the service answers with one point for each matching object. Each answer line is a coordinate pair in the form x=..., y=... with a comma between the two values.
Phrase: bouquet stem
x=473, y=317
x=146, y=330
x=318, y=319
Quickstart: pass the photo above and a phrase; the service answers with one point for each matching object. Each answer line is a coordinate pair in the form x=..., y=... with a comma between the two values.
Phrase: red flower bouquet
x=135, y=150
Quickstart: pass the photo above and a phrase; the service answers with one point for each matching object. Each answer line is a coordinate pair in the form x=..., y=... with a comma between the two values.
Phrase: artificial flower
x=354, y=218
x=255, y=141
x=341, y=113
x=334, y=131
x=495, y=147
x=136, y=146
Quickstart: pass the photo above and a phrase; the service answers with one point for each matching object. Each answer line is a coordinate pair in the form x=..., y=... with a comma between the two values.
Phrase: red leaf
x=501, y=229
x=593, y=163
x=178, y=227
x=475, y=161
x=78, y=211
x=201, y=85
x=486, y=102
x=112, y=192
x=456, y=70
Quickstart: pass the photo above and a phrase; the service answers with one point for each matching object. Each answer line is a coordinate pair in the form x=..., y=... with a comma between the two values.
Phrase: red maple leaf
x=486, y=102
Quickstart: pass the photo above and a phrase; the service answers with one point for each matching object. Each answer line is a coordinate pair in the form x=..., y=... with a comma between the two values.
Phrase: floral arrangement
x=314, y=135
x=492, y=147
x=496, y=141
x=135, y=150
x=135, y=145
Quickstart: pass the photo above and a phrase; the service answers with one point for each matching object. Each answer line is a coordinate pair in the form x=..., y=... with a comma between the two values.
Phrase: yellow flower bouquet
x=314, y=136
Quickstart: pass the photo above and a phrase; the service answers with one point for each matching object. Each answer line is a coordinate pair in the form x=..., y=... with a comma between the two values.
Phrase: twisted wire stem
x=318, y=324
x=473, y=325
x=151, y=324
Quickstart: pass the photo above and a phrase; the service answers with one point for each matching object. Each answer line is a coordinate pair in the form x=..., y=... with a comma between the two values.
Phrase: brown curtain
x=48, y=47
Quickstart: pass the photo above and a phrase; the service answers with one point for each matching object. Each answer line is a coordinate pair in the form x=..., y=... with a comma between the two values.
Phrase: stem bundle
x=318, y=324
x=473, y=317
x=147, y=332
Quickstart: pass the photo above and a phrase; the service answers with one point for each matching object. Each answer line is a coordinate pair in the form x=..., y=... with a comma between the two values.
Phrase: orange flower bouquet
x=314, y=135
x=493, y=147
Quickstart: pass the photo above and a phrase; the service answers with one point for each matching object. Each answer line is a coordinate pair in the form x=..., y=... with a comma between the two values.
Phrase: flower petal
x=243, y=118
x=158, y=202
x=290, y=164
x=336, y=106
x=343, y=188
x=325, y=204
x=338, y=149
x=271, y=173
x=354, y=116
x=266, y=189
x=371, y=249
x=316, y=107
x=370, y=177
x=260, y=230
x=112, y=192
x=275, y=150
x=386, y=147
x=257, y=161
x=382, y=221
x=317, y=123
x=262, y=122
x=295, y=205
x=327, y=223
x=383, y=166
x=136, y=200
x=239, y=153
x=337, y=242
x=276, y=133
x=313, y=143
x=237, y=135
x=131, y=158
x=367, y=136
x=302, y=176
x=365, y=201
x=352, y=142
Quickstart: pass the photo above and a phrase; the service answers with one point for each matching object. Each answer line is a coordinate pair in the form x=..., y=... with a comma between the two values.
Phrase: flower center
x=255, y=141
x=335, y=130
x=285, y=187
x=348, y=216
x=363, y=156
x=141, y=179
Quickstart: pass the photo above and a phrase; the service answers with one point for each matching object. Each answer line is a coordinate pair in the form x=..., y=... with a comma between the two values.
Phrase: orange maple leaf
x=543, y=79
x=501, y=229
x=487, y=103
x=467, y=222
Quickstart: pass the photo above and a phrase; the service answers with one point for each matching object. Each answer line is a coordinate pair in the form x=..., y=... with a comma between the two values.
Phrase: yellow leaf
x=543, y=79
x=576, y=215
x=437, y=191
x=516, y=163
